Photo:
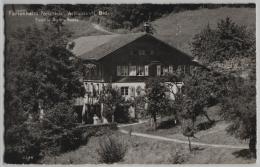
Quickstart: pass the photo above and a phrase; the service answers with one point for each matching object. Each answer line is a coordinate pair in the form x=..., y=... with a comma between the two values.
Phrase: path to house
x=177, y=140
x=98, y=27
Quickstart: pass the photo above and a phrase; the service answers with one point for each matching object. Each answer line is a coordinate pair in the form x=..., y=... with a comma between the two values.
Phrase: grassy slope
x=178, y=29
x=150, y=151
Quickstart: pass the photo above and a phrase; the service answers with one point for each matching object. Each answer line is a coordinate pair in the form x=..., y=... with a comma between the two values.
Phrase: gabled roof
x=97, y=47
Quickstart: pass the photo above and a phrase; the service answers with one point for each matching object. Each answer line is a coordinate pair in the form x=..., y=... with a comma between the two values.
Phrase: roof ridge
x=133, y=33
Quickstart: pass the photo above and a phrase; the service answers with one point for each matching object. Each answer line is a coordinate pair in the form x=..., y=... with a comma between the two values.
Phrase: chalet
x=125, y=61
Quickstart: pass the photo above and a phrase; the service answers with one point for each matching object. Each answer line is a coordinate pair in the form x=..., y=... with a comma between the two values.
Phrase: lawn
x=144, y=150
x=216, y=134
x=151, y=151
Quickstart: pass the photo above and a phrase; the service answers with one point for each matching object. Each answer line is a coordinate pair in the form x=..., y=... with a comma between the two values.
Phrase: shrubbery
x=23, y=144
x=111, y=150
x=30, y=141
x=228, y=41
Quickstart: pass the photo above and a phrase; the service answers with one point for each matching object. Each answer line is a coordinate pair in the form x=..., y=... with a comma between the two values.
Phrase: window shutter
x=179, y=69
x=127, y=71
x=146, y=72
x=188, y=69
x=158, y=70
x=132, y=91
x=170, y=69
x=118, y=71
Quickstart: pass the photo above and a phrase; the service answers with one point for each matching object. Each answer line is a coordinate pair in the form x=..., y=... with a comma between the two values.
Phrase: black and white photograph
x=144, y=83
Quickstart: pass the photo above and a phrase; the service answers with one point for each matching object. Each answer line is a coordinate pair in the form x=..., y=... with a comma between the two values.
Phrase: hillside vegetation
x=78, y=28
x=178, y=29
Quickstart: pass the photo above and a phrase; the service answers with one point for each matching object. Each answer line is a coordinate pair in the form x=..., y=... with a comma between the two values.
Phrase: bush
x=71, y=139
x=111, y=150
x=122, y=114
x=178, y=158
x=22, y=144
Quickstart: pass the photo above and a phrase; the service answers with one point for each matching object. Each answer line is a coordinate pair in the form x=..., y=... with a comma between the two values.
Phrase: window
x=132, y=70
x=158, y=70
x=125, y=71
x=165, y=70
x=183, y=68
x=141, y=52
x=122, y=71
x=179, y=69
x=124, y=91
x=140, y=70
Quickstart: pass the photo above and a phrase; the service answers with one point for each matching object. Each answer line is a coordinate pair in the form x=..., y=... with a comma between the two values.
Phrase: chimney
x=147, y=27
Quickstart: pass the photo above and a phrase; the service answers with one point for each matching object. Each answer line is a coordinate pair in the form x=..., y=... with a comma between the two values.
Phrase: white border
x=127, y=2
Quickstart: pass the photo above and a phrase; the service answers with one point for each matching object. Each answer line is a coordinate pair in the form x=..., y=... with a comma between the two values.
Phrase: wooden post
x=113, y=118
x=101, y=111
x=189, y=143
x=83, y=113
x=113, y=115
x=41, y=115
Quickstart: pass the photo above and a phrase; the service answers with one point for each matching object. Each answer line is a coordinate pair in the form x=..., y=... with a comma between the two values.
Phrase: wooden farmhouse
x=125, y=61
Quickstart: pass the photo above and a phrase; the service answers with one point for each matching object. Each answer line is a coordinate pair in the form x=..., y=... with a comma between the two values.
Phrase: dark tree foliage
x=39, y=73
x=112, y=100
x=239, y=108
x=229, y=40
x=158, y=102
x=200, y=91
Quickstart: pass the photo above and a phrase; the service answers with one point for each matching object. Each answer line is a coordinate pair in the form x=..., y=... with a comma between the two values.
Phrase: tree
x=239, y=108
x=203, y=45
x=40, y=76
x=158, y=103
x=229, y=40
x=112, y=99
x=188, y=131
x=202, y=88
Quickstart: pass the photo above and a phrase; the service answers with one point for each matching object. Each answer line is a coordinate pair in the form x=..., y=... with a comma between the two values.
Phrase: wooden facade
x=147, y=53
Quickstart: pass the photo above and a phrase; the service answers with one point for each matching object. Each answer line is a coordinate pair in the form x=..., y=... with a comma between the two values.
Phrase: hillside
x=78, y=28
x=178, y=29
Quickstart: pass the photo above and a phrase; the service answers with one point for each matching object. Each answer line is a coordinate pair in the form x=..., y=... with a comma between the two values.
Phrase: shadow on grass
x=170, y=123
x=244, y=153
x=196, y=148
x=206, y=125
